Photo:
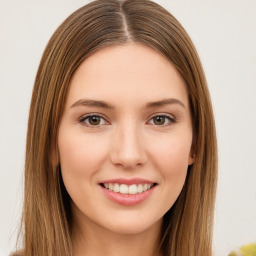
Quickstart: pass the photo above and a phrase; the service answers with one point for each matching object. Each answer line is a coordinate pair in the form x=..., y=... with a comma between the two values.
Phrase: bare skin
x=127, y=117
x=95, y=241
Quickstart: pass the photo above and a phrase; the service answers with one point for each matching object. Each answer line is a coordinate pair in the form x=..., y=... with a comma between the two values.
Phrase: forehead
x=125, y=74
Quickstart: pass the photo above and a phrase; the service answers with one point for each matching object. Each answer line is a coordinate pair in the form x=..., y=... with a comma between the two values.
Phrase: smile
x=132, y=189
x=128, y=192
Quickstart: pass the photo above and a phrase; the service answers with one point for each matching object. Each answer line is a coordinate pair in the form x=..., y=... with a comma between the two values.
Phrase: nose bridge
x=128, y=149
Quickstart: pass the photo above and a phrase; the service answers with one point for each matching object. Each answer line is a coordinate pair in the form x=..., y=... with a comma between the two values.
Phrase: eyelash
x=82, y=120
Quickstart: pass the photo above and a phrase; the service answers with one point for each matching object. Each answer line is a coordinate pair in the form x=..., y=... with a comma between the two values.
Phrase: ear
x=192, y=154
x=191, y=158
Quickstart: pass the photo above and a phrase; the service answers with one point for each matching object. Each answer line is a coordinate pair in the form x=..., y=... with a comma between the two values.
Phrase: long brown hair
x=187, y=226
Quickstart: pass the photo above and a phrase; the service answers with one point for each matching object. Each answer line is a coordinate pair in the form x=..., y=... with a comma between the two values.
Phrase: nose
x=128, y=149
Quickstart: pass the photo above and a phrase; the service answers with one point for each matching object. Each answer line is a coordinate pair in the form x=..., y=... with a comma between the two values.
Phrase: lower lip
x=127, y=199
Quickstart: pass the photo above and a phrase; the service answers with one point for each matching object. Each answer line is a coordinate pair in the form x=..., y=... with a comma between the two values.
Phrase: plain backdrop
x=224, y=33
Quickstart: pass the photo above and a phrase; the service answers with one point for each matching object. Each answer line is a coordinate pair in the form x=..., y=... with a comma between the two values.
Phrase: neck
x=90, y=239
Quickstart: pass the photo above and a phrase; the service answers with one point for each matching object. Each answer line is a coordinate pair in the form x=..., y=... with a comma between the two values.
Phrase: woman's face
x=125, y=139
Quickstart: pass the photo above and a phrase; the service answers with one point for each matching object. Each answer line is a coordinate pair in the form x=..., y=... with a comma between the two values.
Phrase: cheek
x=81, y=156
x=170, y=157
x=173, y=150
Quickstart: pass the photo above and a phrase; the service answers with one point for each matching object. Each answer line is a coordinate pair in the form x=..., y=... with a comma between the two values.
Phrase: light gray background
x=224, y=32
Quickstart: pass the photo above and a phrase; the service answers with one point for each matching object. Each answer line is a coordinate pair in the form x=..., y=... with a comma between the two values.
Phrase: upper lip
x=129, y=181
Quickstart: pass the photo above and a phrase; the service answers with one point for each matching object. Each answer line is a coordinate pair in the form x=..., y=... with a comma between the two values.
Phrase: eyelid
x=84, y=117
x=172, y=119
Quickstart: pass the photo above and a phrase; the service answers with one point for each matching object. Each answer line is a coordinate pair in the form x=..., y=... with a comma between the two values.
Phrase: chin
x=132, y=226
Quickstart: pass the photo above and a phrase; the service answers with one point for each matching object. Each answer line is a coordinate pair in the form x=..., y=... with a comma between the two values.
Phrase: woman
x=121, y=146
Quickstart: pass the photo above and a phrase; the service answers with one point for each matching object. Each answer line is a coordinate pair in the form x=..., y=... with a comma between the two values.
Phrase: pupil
x=159, y=120
x=94, y=120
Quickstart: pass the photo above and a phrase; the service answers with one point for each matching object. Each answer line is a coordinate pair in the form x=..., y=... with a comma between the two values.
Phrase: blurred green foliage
x=233, y=253
x=246, y=250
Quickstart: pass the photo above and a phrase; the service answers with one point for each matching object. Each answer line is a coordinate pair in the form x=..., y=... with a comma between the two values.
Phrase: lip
x=127, y=199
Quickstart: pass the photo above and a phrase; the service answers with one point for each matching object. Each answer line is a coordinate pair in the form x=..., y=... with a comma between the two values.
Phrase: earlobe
x=191, y=159
x=192, y=154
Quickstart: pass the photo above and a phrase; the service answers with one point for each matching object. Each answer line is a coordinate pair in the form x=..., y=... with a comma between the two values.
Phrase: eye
x=162, y=120
x=93, y=120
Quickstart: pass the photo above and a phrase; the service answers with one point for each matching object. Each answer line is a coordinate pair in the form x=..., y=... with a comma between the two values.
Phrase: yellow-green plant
x=246, y=250
x=233, y=253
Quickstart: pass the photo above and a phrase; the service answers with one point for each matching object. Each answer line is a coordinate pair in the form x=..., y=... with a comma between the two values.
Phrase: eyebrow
x=163, y=102
x=93, y=103
x=103, y=104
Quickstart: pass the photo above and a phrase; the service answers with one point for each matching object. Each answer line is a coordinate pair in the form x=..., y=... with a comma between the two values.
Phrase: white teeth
x=111, y=186
x=127, y=189
x=145, y=187
x=124, y=189
x=116, y=187
x=140, y=188
x=133, y=189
